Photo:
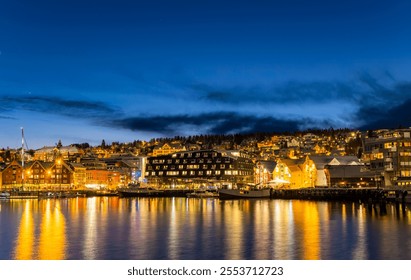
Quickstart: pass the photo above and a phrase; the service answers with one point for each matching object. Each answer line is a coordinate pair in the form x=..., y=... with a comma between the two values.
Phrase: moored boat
x=203, y=194
x=139, y=192
x=60, y=194
x=244, y=193
x=4, y=195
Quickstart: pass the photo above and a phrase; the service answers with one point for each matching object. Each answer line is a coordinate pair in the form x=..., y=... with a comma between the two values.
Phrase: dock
x=23, y=194
x=374, y=195
x=154, y=192
x=42, y=194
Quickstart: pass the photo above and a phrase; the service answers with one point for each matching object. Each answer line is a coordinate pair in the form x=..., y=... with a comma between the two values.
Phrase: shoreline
x=364, y=195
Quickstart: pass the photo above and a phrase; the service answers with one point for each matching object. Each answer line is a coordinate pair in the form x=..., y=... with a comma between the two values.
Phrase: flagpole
x=22, y=156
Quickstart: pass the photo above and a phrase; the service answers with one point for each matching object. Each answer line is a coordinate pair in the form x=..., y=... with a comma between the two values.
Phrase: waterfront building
x=321, y=171
x=320, y=163
x=105, y=173
x=337, y=170
x=61, y=174
x=129, y=167
x=387, y=154
x=264, y=172
x=37, y=175
x=310, y=173
x=12, y=175
x=225, y=168
x=102, y=179
x=290, y=172
x=79, y=175
x=111, y=172
x=351, y=176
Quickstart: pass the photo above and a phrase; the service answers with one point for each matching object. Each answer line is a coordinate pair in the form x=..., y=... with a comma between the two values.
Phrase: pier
x=56, y=194
x=373, y=195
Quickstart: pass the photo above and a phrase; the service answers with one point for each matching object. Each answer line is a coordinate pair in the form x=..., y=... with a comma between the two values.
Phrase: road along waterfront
x=181, y=228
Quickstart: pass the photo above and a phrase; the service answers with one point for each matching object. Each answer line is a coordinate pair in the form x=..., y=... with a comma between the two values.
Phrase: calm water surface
x=188, y=229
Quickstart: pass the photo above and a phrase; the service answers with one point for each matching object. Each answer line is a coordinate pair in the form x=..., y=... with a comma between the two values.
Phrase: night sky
x=84, y=71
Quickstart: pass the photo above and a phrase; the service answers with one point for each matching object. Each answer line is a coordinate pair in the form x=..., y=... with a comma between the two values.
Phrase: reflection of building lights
x=307, y=218
x=25, y=239
x=52, y=237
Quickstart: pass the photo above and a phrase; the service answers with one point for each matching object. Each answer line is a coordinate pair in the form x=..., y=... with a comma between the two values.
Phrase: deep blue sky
x=83, y=71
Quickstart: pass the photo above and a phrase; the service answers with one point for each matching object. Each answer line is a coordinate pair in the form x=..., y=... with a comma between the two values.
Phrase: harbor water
x=113, y=228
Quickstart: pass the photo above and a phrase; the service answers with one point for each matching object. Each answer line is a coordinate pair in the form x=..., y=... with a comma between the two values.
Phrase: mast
x=22, y=156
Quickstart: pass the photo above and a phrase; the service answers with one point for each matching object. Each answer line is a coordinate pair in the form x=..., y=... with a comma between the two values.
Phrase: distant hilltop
x=328, y=140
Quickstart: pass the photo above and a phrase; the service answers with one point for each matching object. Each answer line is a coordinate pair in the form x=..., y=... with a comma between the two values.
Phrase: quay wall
x=363, y=195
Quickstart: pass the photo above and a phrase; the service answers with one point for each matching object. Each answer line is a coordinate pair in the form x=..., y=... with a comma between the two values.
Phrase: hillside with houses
x=316, y=158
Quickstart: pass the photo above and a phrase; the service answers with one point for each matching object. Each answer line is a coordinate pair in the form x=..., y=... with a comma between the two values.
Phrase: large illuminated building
x=202, y=167
x=387, y=153
x=37, y=175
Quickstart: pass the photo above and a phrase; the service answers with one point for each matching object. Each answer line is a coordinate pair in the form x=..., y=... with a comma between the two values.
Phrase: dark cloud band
x=214, y=123
x=377, y=106
x=58, y=106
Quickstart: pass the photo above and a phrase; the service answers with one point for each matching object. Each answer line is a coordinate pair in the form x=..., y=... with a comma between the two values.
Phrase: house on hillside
x=49, y=154
x=168, y=148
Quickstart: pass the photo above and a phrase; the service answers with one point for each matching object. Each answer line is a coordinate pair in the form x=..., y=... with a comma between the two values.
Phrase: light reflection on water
x=49, y=240
x=182, y=228
x=25, y=239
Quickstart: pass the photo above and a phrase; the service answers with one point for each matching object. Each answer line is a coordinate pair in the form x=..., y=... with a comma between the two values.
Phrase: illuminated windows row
x=197, y=173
